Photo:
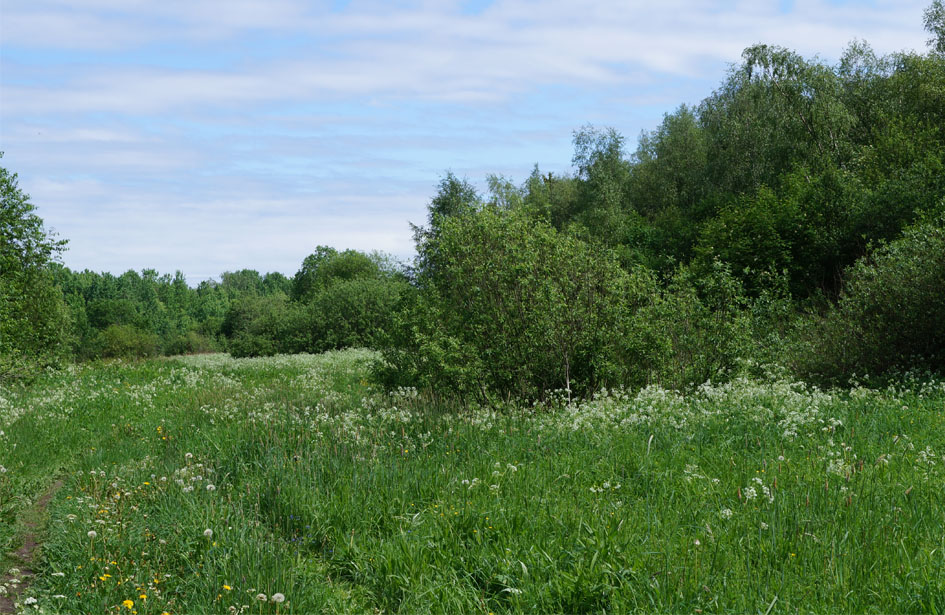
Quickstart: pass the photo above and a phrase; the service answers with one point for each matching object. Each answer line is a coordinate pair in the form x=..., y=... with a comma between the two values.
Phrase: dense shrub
x=263, y=326
x=246, y=344
x=126, y=341
x=354, y=312
x=509, y=306
x=190, y=342
x=891, y=313
x=698, y=328
x=33, y=317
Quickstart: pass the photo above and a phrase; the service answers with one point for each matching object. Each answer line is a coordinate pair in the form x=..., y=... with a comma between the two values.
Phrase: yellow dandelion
x=227, y=587
x=128, y=604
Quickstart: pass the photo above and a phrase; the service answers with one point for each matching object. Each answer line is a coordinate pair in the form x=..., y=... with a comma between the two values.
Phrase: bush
x=698, y=328
x=263, y=326
x=354, y=312
x=246, y=344
x=890, y=313
x=509, y=306
x=34, y=320
x=191, y=342
x=126, y=341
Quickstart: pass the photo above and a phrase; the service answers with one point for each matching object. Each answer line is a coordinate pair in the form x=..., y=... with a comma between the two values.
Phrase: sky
x=214, y=135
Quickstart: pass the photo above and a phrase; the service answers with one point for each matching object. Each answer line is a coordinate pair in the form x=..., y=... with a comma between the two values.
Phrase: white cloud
x=213, y=135
x=432, y=53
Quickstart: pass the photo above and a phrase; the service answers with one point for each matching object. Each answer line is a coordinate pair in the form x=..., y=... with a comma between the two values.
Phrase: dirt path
x=26, y=555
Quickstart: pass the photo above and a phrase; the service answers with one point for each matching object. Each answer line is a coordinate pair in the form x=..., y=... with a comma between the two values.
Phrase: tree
x=454, y=196
x=508, y=306
x=934, y=20
x=33, y=316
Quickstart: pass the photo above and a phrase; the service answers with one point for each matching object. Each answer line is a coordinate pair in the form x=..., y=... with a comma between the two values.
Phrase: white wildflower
x=208, y=533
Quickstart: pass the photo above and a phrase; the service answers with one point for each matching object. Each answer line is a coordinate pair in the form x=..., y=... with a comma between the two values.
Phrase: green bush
x=263, y=326
x=354, y=312
x=698, y=328
x=510, y=307
x=34, y=320
x=126, y=341
x=190, y=342
x=891, y=312
x=246, y=344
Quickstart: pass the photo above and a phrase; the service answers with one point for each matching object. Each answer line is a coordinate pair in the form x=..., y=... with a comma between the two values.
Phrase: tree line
x=796, y=216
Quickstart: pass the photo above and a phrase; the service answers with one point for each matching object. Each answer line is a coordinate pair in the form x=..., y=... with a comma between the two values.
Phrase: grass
x=754, y=496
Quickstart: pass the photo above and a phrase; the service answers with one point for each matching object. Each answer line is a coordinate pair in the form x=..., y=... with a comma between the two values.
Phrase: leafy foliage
x=33, y=318
x=890, y=313
x=512, y=307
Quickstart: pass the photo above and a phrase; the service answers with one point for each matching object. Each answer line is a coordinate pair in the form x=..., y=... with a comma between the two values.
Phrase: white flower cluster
x=750, y=492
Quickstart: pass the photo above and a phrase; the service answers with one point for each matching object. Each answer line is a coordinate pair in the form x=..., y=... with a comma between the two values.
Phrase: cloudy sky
x=214, y=135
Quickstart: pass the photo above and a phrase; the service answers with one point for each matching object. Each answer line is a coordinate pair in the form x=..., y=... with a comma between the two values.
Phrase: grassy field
x=292, y=485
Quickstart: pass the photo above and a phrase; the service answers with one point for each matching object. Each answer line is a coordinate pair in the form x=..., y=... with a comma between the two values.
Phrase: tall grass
x=764, y=496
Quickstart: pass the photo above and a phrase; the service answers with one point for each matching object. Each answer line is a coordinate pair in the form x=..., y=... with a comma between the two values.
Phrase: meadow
x=291, y=484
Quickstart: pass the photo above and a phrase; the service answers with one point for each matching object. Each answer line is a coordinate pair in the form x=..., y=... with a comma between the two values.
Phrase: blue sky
x=213, y=135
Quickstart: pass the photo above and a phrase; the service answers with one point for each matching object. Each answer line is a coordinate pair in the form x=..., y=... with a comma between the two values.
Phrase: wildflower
x=261, y=597
x=726, y=513
x=30, y=601
x=277, y=598
x=143, y=596
x=696, y=542
x=92, y=534
x=227, y=587
x=128, y=604
x=189, y=456
x=208, y=533
x=210, y=487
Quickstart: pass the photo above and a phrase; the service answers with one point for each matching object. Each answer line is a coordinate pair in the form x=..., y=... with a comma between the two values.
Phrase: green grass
x=756, y=496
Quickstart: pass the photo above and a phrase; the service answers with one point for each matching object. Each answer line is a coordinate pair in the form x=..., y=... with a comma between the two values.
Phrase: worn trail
x=26, y=555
